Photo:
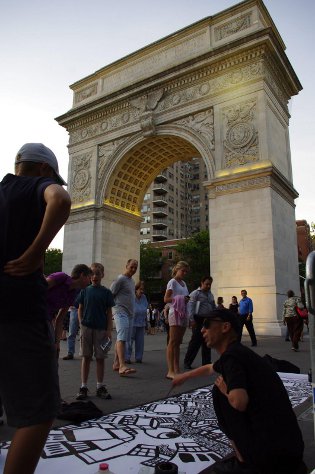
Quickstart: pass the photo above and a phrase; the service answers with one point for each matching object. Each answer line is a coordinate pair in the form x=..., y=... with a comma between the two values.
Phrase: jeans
x=73, y=330
x=137, y=336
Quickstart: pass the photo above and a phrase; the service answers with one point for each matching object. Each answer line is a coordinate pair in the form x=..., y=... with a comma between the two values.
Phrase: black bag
x=282, y=365
x=79, y=411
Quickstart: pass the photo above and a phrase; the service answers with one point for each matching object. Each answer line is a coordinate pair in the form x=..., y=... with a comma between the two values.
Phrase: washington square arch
x=217, y=89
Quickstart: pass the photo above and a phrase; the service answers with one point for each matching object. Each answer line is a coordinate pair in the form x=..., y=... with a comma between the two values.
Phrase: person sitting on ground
x=251, y=404
x=95, y=317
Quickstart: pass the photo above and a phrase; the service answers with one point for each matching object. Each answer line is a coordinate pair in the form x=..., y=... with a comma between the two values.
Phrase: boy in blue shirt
x=95, y=318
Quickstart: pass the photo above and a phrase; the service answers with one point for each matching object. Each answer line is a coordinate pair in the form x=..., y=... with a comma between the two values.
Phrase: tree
x=53, y=261
x=151, y=263
x=196, y=252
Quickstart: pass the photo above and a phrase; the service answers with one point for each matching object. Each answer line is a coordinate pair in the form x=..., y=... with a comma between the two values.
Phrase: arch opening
x=140, y=165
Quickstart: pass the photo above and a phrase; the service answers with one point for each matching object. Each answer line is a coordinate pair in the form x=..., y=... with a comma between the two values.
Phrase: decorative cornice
x=256, y=177
x=104, y=212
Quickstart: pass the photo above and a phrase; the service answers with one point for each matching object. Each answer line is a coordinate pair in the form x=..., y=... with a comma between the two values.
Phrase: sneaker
x=68, y=357
x=83, y=393
x=103, y=393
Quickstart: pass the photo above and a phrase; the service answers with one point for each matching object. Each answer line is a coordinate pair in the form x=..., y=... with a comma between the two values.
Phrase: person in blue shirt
x=246, y=317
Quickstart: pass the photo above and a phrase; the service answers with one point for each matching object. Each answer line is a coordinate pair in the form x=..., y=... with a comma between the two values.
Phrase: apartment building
x=175, y=205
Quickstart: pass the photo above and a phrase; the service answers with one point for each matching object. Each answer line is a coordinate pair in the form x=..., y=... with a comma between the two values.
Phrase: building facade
x=175, y=205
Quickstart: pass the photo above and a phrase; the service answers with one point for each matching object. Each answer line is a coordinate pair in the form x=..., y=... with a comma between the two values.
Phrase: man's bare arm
x=202, y=371
x=238, y=397
x=56, y=214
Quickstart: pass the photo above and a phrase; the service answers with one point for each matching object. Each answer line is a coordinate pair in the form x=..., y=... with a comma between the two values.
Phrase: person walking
x=201, y=302
x=137, y=335
x=246, y=317
x=95, y=318
x=251, y=404
x=291, y=318
x=176, y=294
x=33, y=208
x=123, y=289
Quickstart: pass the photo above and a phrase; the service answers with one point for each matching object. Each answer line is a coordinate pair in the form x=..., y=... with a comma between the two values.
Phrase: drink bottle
x=104, y=468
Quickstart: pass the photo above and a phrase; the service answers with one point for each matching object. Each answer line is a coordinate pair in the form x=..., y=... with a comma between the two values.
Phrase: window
x=147, y=196
x=145, y=230
x=170, y=255
x=145, y=241
x=146, y=219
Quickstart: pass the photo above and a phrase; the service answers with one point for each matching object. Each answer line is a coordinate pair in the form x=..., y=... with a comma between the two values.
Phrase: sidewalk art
x=181, y=429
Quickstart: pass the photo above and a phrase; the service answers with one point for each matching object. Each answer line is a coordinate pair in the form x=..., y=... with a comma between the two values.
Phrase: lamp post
x=310, y=303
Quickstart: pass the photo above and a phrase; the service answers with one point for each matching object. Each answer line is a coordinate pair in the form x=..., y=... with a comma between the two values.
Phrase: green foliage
x=196, y=252
x=150, y=269
x=53, y=261
x=150, y=261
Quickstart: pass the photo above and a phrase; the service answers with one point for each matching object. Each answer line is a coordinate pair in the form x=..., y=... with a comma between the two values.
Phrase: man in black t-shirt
x=33, y=208
x=251, y=404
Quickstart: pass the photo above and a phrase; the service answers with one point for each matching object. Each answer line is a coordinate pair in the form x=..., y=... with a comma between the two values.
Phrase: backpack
x=79, y=411
x=282, y=365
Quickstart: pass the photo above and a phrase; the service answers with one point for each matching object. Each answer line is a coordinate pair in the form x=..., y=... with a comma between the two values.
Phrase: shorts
x=176, y=321
x=124, y=324
x=91, y=339
x=29, y=385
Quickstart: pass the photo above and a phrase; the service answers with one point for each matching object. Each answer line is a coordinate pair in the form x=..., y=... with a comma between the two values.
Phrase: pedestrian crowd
x=33, y=207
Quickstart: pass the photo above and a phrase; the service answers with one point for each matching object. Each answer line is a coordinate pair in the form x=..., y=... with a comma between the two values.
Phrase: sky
x=47, y=46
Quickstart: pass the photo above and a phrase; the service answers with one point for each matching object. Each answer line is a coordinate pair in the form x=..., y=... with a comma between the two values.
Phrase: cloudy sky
x=46, y=46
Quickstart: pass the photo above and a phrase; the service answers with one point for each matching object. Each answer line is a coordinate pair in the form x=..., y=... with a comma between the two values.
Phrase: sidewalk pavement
x=149, y=383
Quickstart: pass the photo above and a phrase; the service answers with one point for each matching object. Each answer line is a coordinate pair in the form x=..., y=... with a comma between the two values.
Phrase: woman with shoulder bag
x=292, y=319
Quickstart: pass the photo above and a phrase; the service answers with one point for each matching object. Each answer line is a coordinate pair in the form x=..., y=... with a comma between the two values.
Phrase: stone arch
x=219, y=88
x=137, y=161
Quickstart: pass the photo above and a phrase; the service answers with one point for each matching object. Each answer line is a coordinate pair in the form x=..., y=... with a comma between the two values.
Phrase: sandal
x=127, y=372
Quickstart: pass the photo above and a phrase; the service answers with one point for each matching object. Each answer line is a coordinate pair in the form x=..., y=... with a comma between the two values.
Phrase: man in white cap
x=33, y=208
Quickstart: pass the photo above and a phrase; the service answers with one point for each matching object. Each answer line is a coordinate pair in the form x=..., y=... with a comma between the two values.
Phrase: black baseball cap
x=224, y=315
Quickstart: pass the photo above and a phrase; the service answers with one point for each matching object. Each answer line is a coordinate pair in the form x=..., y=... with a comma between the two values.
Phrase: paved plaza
x=149, y=383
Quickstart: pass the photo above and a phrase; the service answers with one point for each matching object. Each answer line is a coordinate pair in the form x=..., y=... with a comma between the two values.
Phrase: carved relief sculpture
x=146, y=104
x=81, y=178
x=234, y=26
x=241, y=137
x=202, y=123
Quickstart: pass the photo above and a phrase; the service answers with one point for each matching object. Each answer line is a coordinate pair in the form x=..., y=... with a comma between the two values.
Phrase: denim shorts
x=124, y=324
x=29, y=385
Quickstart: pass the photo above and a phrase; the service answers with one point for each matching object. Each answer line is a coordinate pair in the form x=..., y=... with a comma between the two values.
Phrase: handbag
x=303, y=313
